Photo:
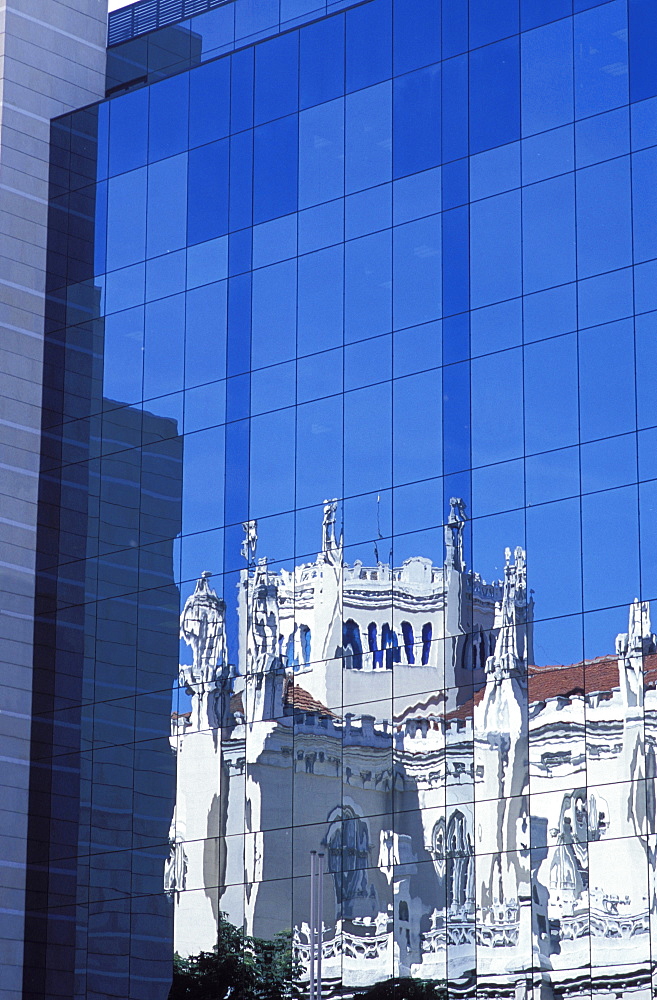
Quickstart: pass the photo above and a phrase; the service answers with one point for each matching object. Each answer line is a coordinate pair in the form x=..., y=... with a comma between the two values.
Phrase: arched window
x=304, y=638
x=409, y=642
x=351, y=646
x=390, y=643
x=348, y=844
x=377, y=654
x=426, y=643
x=459, y=860
x=403, y=910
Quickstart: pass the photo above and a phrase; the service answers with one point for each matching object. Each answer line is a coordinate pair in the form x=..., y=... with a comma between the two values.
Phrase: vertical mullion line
x=296, y=471
x=530, y=970
x=579, y=465
x=137, y=589
x=344, y=17
x=636, y=443
x=474, y=802
x=393, y=526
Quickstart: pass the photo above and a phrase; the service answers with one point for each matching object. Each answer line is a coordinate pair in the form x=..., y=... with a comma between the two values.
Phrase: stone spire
x=454, y=535
x=508, y=657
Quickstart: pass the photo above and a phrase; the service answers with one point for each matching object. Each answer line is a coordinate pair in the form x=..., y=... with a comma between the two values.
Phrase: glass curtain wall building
x=348, y=526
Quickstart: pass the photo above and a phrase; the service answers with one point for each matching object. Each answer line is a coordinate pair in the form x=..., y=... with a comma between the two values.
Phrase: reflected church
x=503, y=823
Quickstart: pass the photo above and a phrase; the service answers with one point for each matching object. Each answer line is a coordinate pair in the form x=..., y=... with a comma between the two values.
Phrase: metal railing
x=149, y=15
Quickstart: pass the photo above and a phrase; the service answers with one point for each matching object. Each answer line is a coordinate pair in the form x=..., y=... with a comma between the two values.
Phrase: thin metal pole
x=313, y=860
x=320, y=924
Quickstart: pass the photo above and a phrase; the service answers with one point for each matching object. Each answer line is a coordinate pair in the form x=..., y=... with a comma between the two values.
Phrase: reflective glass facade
x=348, y=538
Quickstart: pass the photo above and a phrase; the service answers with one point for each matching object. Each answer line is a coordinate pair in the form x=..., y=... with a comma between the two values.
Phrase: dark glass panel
x=321, y=66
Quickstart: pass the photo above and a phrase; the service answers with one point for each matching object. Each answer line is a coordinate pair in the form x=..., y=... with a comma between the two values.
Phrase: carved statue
x=328, y=525
x=250, y=542
x=202, y=626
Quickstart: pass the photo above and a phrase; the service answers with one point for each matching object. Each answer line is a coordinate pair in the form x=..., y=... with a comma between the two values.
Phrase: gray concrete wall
x=52, y=60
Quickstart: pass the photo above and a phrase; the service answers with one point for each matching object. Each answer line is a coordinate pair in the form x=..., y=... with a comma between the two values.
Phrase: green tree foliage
x=239, y=968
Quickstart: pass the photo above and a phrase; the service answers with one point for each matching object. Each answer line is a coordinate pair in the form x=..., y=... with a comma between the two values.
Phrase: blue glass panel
x=601, y=80
x=547, y=77
x=549, y=313
x=168, y=118
x=321, y=226
x=202, y=508
x=165, y=275
x=274, y=241
x=643, y=45
x=124, y=356
x=205, y=338
x=496, y=435
x=241, y=90
x=368, y=153
x=368, y=362
x=495, y=171
x=321, y=153
x=275, y=157
x=274, y=308
x=609, y=463
x=645, y=287
x=369, y=44
x=128, y=135
x=417, y=348
x=455, y=110
x=552, y=475
x=455, y=27
x=495, y=249
x=491, y=20
x=240, y=251
x=207, y=262
x=241, y=180
x=602, y=137
x=610, y=557
x=497, y=327
x=217, y=32
x=533, y=13
x=548, y=154
x=606, y=378
x=272, y=463
x=126, y=230
x=276, y=77
x=368, y=211
x=368, y=286
x=319, y=450
x=208, y=192
x=164, y=346
x=368, y=439
x=417, y=272
x=319, y=375
x=167, y=205
x=416, y=35
x=416, y=196
x=646, y=364
x=604, y=230
x=417, y=431
x=494, y=95
x=321, y=62
x=644, y=204
x=456, y=260
x=456, y=337
x=456, y=418
x=455, y=183
x=417, y=121
x=321, y=297
x=124, y=288
x=561, y=594
x=255, y=16
x=209, y=102
x=548, y=233
x=102, y=161
x=550, y=381
x=605, y=298
x=644, y=123
x=238, y=354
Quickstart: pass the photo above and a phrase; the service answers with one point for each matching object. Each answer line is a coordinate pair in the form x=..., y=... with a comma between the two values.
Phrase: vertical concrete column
x=52, y=60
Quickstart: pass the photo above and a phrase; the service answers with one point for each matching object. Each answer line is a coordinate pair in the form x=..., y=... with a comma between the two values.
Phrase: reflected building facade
x=347, y=542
